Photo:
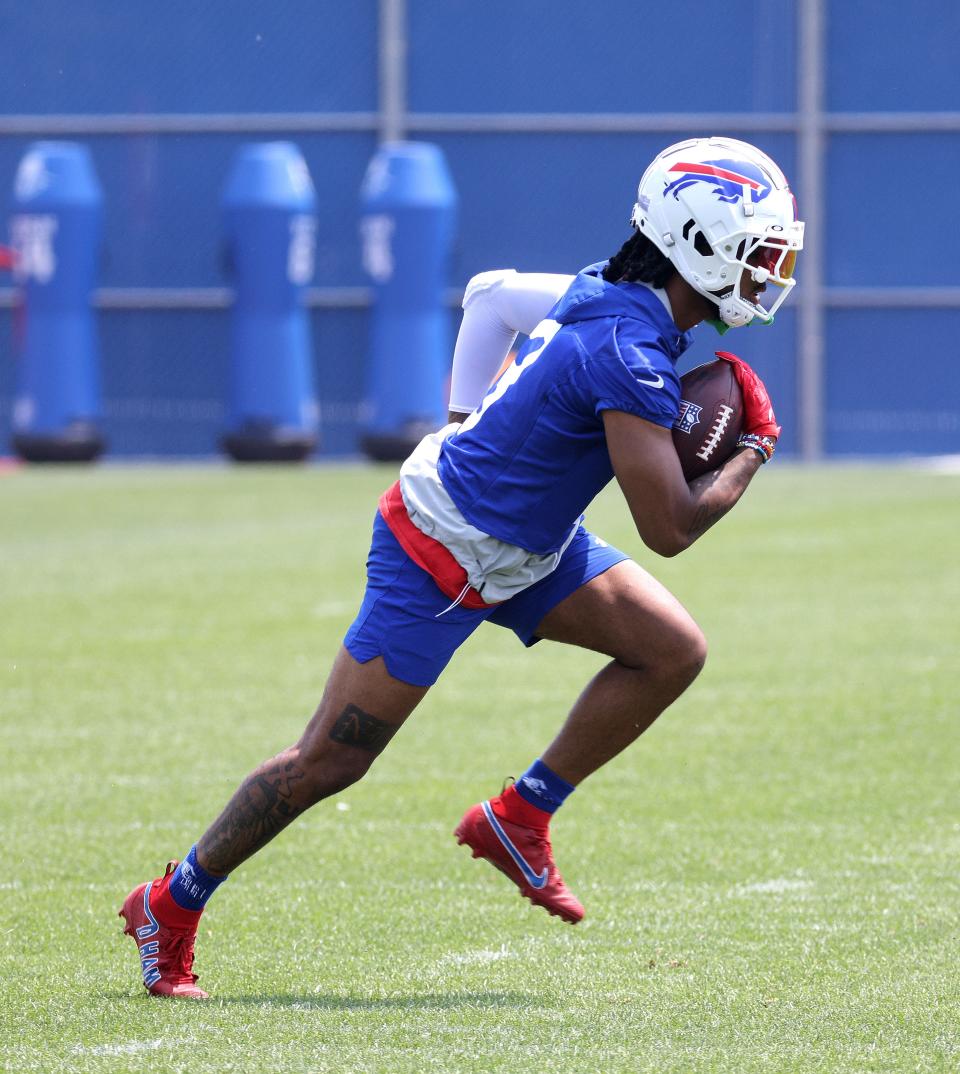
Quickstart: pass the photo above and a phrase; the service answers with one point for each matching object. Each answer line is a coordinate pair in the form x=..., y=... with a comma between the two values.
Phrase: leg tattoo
x=264, y=805
x=280, y=790
x=354, y=727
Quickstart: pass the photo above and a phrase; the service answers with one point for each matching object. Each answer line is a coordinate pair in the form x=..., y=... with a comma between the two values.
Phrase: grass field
x=770, y=874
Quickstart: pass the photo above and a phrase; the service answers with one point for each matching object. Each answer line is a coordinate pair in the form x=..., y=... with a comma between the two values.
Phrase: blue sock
x=543, y=788
x=191, y=885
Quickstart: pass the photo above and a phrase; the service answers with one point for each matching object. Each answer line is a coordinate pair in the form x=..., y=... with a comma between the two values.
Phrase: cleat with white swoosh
x=523, y=854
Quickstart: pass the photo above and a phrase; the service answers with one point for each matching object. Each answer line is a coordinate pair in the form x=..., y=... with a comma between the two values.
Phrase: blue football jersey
x=526, y=463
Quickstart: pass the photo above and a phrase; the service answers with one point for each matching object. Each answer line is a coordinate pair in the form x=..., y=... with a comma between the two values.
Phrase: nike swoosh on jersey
x=658, y=383
x=535, y=880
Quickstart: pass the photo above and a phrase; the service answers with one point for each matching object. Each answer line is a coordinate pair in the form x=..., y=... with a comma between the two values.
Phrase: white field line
x=129, y=1048
x=776, y=886
x=467, y=958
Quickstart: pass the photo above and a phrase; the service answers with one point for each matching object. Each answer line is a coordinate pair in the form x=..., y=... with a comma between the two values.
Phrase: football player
x=485, y=524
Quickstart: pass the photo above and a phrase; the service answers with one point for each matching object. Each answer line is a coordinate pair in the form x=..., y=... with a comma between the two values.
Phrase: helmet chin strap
x=732, y=312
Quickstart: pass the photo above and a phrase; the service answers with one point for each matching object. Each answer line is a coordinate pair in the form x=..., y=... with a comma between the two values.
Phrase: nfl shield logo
x=688, y=417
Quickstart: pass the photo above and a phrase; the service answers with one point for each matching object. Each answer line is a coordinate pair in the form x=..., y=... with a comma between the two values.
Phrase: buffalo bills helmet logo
x=728, y=178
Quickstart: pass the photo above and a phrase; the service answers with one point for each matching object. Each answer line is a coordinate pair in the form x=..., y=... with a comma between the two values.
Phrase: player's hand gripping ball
x=711, y=417
x=723, y=405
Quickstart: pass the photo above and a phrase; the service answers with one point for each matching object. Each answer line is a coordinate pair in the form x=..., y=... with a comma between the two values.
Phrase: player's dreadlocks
x=639, y=260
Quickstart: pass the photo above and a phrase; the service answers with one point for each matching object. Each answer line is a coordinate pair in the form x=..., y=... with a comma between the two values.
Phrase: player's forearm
x=714, y=494
x=670, y=513
x=671, y=516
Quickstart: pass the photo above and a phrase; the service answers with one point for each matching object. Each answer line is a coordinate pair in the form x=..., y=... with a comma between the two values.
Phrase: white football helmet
x=719, y=208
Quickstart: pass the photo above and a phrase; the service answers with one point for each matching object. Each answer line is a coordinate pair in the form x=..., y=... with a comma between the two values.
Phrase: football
x=710, y=419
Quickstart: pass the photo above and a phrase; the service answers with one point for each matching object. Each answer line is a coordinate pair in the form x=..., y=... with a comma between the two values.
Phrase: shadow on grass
x=426, y=1002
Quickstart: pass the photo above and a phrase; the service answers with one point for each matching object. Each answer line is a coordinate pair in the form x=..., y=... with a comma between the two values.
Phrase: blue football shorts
x=408, y=621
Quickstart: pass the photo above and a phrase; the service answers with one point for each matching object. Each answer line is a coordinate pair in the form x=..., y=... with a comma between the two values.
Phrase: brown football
x=710, y=419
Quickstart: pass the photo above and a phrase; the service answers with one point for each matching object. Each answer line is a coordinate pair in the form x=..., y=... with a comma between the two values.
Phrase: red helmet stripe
x=720, y=173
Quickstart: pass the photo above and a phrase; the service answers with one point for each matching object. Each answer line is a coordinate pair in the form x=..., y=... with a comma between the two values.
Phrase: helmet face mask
x=722, y=212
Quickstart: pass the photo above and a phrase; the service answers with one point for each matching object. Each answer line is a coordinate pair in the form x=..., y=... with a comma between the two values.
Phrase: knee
x=676, y=658
x=691, y=654
x=332, y=770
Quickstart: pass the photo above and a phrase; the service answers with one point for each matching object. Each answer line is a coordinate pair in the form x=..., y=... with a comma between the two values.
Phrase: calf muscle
x=336, y=749
x=657, y=651
x=263, y=805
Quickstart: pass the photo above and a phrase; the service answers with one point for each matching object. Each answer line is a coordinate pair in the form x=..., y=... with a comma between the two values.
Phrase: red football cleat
x=522, y=853
x=166, y=951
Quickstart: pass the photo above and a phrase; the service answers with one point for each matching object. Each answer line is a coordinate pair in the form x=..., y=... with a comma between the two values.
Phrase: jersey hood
x=590, y=297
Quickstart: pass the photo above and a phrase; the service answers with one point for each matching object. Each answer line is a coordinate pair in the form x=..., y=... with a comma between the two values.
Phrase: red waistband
x=428, y=554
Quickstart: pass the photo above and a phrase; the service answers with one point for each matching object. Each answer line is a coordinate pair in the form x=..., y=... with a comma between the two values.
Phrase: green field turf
x=770, y=874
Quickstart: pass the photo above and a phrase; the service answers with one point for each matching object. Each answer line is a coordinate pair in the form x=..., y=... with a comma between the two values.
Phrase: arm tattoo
x=704, y=518
x=354, y=727
x=265, y=803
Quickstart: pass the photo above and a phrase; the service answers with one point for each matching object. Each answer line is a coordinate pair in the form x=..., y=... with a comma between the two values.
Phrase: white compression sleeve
x=496, y=306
